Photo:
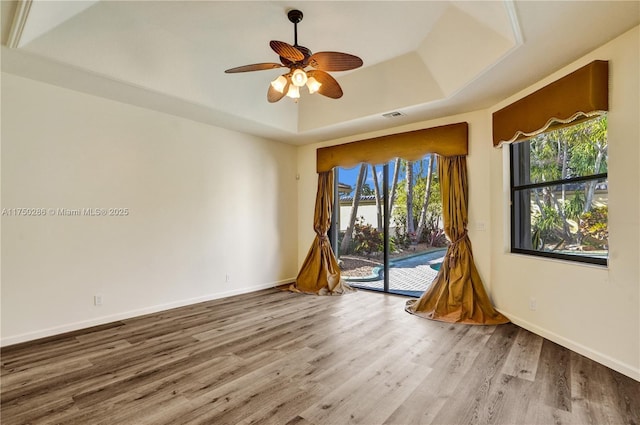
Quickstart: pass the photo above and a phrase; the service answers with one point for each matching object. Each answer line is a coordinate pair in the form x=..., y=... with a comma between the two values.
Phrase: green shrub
x=366, y=238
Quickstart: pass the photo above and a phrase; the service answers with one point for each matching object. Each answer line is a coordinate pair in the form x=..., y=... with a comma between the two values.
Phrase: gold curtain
x=320, y=273
x=582, y=93
x=457, y=294
x=445, y=140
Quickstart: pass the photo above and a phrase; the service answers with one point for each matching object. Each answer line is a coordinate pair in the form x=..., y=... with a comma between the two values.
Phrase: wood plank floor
x=274, y=357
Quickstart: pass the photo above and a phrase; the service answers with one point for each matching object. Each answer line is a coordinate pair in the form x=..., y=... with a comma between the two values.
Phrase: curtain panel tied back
x=457, y=294
x=320, y=273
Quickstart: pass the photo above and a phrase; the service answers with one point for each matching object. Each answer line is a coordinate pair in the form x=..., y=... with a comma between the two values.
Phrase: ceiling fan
x=297, y=58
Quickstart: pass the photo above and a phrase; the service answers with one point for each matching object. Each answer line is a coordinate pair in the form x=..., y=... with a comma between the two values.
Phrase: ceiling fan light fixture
x=279, y=84
x=299, y=77
x=294, y=92
x=313, y=85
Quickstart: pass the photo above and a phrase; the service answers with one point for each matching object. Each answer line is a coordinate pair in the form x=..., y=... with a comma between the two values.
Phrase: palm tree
x=410, y=225
x=348, y=234
x=590, y=154
x=394, y=185
x=376, y=191
x=422, y=221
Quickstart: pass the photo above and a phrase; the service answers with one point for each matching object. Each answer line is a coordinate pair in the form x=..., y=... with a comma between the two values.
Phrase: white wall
x=592, y=310
x=203, y=202
x=369, y=212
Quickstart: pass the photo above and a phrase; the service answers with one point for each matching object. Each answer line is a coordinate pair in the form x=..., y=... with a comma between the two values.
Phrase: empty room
x=320, y=212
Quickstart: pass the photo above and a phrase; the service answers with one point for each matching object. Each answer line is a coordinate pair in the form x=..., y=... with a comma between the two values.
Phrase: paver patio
x=410, y=276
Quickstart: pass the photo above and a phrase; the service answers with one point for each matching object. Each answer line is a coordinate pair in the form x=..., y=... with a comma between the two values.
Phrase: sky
x=350, y=175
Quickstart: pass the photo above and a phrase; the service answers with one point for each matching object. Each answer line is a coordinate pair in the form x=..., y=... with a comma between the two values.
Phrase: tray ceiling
x=425, y=59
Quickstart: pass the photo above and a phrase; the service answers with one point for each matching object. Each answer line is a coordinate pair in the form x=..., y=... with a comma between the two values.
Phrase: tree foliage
x=559, y=211
x=594, y=224
x=432, y=229
x=367, y=239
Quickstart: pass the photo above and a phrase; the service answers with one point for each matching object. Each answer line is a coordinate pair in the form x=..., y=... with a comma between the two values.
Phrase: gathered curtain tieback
x=454, y=255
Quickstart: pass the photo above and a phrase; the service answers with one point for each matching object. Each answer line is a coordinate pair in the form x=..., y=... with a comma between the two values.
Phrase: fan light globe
x=294, y=92
x=299, y=78
x=279, y=83
x=313, y=85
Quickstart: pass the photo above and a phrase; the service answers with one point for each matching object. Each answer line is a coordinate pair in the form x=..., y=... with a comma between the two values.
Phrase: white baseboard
x=43, y=333
x=624, y=368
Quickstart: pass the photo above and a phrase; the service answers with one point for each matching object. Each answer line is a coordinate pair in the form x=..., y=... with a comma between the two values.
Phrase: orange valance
x=583, y=93
x=446, y=140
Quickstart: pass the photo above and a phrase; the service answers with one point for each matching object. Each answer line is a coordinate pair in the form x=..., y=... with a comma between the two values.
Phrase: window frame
x=516, y=218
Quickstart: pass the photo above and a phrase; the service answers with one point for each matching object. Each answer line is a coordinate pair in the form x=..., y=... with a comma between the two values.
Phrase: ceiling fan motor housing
x=294, y=16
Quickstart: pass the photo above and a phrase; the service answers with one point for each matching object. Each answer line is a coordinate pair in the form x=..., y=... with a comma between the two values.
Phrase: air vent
x=394, y=114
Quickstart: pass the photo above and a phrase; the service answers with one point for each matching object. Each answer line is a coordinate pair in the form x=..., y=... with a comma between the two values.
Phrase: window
x=559, y=193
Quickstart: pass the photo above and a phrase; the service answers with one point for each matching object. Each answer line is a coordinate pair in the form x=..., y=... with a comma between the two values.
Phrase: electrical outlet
x=227, y=278
x=533, y=304
x=97, y=300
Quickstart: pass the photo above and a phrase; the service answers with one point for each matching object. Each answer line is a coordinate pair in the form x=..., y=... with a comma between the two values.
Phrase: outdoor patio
x=409, y=275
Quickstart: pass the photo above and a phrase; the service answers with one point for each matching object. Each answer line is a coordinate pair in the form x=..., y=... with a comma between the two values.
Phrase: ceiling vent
x=394, y=114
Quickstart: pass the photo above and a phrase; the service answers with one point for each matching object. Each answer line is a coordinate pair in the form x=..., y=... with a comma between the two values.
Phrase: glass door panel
x=417, y=242
x=360, y=220
x=411, y=230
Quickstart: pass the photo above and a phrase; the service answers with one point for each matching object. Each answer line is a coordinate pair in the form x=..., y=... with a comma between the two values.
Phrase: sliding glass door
x=387, y=228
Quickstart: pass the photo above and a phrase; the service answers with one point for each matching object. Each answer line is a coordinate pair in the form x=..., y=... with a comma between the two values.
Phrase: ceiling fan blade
x=286, y=50
x=274, y=95
x=254, y=67
x=329, y=87
x=334, y=61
